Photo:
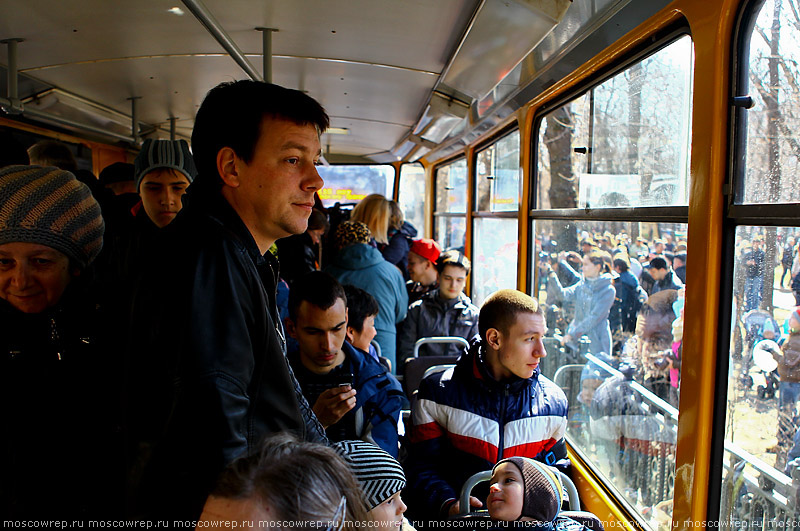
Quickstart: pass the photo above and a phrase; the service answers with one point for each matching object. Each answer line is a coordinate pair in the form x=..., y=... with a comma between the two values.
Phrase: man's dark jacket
x=207, y=369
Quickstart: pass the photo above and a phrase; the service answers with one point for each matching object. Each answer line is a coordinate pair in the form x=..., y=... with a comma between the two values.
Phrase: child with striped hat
x=381, y=478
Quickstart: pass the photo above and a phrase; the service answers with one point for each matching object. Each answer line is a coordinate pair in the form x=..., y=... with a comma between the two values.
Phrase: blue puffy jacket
x=464, y=421
x=379, y=399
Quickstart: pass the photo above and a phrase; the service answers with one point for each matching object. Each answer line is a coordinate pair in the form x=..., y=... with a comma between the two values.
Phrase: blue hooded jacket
x=364, y=267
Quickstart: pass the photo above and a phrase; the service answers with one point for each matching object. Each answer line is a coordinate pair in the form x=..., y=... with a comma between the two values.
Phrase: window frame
x=439, y=214
x=736, y=214
x=645, y=214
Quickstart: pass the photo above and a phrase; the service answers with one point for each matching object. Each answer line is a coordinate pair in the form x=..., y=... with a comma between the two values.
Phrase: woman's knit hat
x=50, y=207
x=352, y=232
x=378, y=473
x=542, y=489
x=156, y=154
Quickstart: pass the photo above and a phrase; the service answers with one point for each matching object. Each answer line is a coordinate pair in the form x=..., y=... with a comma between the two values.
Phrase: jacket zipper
x=501, y=443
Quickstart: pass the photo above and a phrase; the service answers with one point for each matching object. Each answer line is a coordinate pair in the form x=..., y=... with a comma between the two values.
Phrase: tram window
x=352, y=183
x=411, y=196
x=451, y=205
x=625, y=142
x=623, y=399
x=762, y=418
x=759, y=485
x=497, y=176
x=451, y=187
x=495, y=225
x=495, y=256
x=772, y=169
x=451, y=232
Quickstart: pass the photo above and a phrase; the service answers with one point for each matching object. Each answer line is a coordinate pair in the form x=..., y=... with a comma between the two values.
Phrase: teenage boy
x=164, y=170
x=493, y=404
x=352, y=395
x=422, y=258
x=444, y=311
x=208, y=371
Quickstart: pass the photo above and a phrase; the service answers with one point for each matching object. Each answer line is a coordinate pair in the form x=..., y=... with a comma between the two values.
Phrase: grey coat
x=593, y=299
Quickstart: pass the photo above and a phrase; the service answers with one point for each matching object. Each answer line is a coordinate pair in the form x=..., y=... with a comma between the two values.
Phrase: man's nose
x=539, y=350
x=313, y=181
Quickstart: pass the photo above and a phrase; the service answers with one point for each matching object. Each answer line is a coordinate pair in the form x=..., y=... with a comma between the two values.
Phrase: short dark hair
x=231, y=116
x=622, y=264
x=52, y=153
x=300, y=481
x=317, y=288
x=360, y=305
x=681, y=257
x=453, y=258
x=501, y=308
x=658, y=263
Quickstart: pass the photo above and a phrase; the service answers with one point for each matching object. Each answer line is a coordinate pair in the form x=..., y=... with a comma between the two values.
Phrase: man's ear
x=350, y=334
x=494, y=338
x=290, y=328
x=227, y=167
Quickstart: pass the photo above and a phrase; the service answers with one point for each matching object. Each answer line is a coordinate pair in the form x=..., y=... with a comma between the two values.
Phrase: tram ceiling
x=393, y=75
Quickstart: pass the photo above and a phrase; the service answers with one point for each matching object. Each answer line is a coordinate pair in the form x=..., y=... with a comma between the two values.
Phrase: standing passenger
x=57, y=375
x=361, y=265
x=209, y=349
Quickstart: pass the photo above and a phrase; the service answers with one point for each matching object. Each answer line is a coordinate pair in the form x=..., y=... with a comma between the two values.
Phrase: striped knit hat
x=541, y=488
x=156, y=154
x=379, y=474
x=50, y=207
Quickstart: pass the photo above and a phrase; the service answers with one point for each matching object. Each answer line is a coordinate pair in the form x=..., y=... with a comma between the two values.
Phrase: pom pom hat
x=541, y=487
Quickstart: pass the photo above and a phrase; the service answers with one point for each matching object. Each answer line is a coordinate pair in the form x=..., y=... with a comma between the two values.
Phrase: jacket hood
x=407, y=229
x=628, y=279
x=358, y=256
x=600, y=283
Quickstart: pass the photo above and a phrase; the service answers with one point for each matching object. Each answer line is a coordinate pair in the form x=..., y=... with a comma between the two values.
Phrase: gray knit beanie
x=541, y=487
x=156, y=154
x=49, y=206
x=378, y=473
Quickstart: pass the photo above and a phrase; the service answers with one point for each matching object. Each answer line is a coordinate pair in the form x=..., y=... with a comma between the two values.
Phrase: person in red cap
x=422, y=257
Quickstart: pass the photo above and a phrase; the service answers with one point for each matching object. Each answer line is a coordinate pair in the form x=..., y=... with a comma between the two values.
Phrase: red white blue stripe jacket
x=464, y=421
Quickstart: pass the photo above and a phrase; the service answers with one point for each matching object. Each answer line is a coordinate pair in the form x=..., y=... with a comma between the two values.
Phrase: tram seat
x=590, y=520
x=415, y=366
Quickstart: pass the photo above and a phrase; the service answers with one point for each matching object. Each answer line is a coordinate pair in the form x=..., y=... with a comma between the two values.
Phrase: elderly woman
x=57, y=430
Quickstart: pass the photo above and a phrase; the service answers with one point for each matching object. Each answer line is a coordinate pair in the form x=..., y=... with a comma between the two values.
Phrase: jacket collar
x=208, y=202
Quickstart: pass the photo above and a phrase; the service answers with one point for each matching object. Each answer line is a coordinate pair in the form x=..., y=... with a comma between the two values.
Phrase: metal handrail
x=648, y=395
x=439, y=339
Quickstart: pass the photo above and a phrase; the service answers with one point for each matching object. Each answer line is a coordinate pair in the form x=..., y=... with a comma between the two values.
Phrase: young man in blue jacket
x=352, y=394
x=494, y=404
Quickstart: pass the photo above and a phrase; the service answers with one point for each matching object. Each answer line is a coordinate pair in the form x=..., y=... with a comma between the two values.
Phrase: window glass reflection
x=613, y=294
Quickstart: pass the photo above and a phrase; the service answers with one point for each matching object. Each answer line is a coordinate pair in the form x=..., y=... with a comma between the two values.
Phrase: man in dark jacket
x=629, y=298
x=494, y=404
x=665, y=278
x=208, y=370
x=351, y=393
x=445, y=311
